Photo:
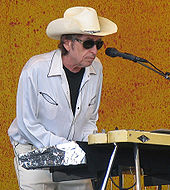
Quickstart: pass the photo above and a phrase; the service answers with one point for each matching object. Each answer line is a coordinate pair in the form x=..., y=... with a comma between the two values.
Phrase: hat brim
x=62, y=26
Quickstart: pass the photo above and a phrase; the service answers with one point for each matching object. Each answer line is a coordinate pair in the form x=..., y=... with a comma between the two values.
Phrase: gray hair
x=64, y=37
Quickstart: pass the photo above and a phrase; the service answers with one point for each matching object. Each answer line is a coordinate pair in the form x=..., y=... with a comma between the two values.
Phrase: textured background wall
x=133, y=97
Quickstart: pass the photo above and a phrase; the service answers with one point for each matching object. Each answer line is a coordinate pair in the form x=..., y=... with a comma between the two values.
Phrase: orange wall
x=133, y=97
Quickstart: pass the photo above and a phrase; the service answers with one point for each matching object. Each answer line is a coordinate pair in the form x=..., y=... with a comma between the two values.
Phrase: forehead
x=85, y=37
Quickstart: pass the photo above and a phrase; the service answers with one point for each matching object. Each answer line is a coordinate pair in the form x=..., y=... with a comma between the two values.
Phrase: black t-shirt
x=74, y=81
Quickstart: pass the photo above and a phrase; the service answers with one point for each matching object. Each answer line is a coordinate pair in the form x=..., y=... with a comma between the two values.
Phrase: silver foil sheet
x=60, y=155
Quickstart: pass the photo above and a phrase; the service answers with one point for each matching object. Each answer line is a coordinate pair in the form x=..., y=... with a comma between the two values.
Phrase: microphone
x=113, y=52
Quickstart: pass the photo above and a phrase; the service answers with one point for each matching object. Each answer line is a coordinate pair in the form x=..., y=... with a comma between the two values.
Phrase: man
x=59, y=93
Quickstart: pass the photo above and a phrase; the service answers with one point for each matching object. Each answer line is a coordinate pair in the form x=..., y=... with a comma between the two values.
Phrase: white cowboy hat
x=80, y=20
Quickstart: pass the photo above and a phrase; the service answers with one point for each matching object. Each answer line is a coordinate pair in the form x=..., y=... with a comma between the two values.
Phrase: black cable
x=121, y=187
x=156, y=68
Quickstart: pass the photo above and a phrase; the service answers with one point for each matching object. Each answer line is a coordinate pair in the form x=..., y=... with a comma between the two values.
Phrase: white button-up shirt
x=44, y=114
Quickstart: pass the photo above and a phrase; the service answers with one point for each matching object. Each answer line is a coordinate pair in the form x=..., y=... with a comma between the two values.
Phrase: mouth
x=90, y=58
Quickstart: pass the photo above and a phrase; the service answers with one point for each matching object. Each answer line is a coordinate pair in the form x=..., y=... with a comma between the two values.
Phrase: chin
x=89, y=62
x=87, y=65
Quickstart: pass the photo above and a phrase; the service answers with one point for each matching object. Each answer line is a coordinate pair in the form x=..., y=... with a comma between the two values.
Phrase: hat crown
x=86, y=17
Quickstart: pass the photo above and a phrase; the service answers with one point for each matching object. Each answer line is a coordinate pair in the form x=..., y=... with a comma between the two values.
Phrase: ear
x=67, y=44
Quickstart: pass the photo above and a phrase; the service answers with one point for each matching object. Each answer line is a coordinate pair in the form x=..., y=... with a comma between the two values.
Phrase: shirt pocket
x=48, y=106
x=92, y=101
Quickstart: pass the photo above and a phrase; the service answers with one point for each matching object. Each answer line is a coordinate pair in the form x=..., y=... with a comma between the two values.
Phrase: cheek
x=79, y=57
x=80, y=54
x=84, y=54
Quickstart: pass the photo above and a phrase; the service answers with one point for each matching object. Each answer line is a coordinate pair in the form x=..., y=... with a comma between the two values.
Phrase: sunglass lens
x=88, y=44
x=99, y=44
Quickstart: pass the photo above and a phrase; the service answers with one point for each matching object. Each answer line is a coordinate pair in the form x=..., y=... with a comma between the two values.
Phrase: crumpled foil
x=60, y=155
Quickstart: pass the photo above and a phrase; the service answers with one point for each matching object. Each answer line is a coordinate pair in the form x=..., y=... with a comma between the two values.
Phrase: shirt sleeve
x=27, y=120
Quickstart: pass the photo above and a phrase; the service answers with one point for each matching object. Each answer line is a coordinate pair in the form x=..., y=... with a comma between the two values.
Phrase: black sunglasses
x=87, y=44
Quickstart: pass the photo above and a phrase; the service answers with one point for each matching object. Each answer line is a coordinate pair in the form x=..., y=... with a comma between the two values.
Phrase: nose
x=94, y=50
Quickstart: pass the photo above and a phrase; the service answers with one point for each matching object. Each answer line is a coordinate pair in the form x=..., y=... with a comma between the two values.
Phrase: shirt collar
x=56, y=66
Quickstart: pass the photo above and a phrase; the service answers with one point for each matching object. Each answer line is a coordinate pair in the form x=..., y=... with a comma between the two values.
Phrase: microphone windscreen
x=113, y=52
